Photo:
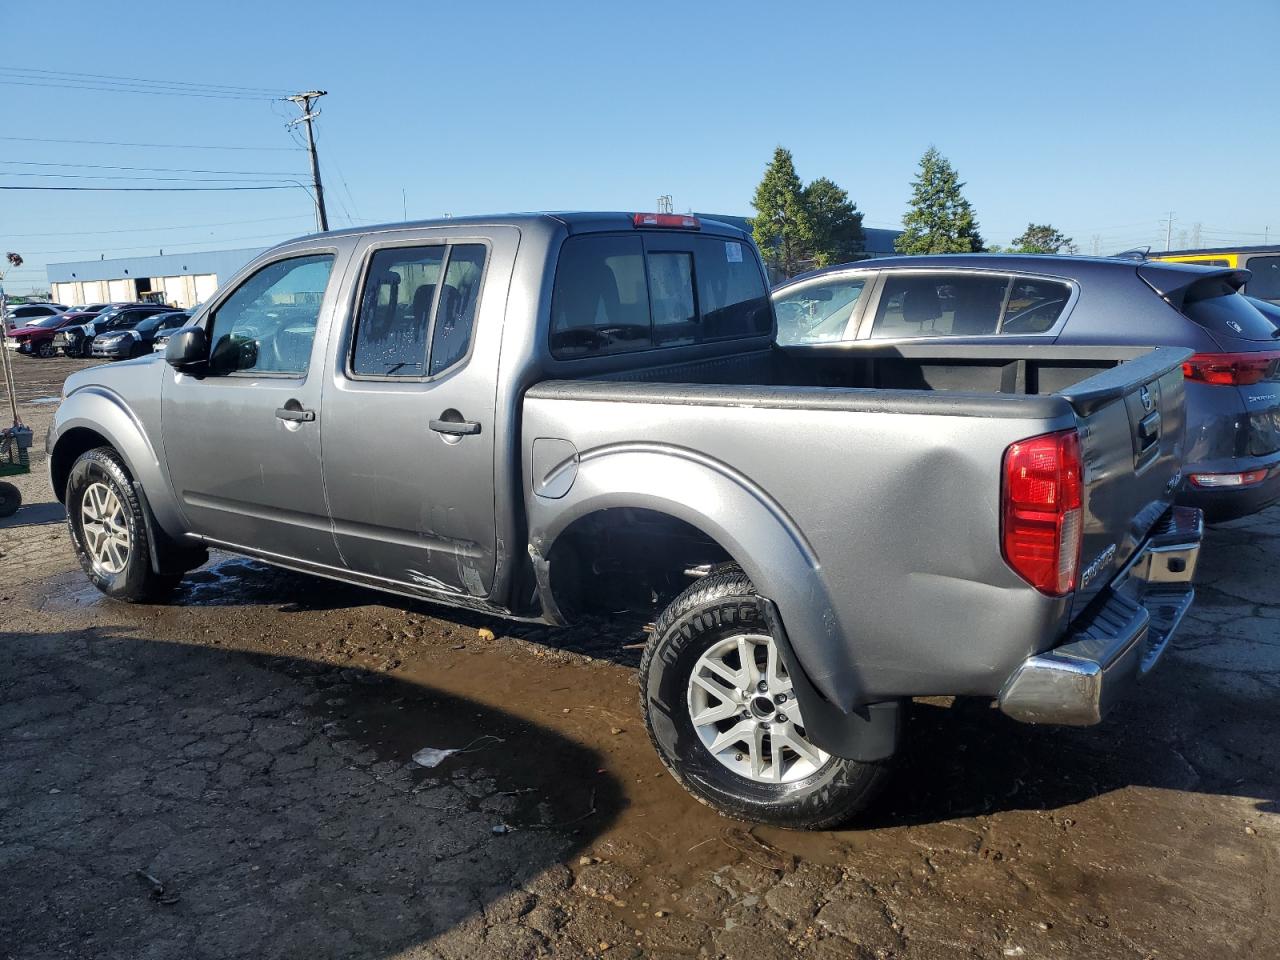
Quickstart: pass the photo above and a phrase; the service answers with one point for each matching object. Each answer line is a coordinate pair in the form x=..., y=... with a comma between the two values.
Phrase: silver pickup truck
x=535, y=415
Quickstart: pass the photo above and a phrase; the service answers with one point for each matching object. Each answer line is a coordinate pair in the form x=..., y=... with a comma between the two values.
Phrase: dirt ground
x=230, y=775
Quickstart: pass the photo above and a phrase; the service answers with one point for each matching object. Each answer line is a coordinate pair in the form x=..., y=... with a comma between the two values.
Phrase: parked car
x=124, y=341
x=36, y=338
x=90, y=308
x=20, y=314
x=1263, y=264
x=161, y=340
x=533, y=416
x=77, y=340
x=1232, y=463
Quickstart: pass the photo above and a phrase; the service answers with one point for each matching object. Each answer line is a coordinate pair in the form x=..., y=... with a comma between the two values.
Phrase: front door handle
x=295, y=414
x=456, y=428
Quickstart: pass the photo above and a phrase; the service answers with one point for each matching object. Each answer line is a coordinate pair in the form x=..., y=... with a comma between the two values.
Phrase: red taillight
x=1231, y=369
x=670, y=220
x=1040, y=511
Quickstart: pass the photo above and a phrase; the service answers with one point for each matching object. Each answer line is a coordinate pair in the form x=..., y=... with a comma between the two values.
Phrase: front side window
x=268, y=323
x=819, y=311
x=395, y=312
x=1265, y=281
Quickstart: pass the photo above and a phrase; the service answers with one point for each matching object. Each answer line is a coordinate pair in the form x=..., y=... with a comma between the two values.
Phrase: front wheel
x=45, y=349
x=108, y=529
x=721, y=711
x=10, y=499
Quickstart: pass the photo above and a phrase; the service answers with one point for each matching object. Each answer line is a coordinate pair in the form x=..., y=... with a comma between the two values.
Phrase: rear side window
x=456, y=313
x=407, y=307
x=1265, y=282
x=940, y=305
x=611, y=296
x=395, y=312
x=1034, y=305
x=967, y=305
x=1216, y=306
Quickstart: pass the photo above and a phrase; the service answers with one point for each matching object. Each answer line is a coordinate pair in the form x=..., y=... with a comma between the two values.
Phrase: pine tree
x=782, y=227
x=940, y=219
x=837, y=224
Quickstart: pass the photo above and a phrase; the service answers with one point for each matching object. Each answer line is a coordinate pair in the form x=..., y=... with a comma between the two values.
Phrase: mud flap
x=168, y=556
x=867, y=733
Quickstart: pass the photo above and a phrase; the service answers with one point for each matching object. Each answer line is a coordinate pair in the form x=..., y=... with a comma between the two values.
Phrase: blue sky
x=1096, y=117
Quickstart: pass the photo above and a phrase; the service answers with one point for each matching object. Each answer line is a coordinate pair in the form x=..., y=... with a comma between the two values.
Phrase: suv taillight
x=1040, y=510
x=1232, y=369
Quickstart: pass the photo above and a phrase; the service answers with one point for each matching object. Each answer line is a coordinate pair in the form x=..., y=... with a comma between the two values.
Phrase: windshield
x=51, y=321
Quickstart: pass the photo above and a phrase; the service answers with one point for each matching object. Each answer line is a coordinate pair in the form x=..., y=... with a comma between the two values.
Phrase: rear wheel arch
x=747, y=525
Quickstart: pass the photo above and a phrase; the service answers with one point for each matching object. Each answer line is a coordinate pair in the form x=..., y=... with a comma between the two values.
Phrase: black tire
x=10, y=499
x=46, y=349
x=136, y=581
x=718, y=606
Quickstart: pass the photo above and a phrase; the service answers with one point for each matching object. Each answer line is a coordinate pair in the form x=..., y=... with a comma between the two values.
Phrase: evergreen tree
x=782, y=227
x=940, y=219
x=837, y=223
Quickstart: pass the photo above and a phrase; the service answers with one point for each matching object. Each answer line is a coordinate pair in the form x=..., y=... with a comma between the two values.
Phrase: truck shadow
x=274, y=802
x=968, y=759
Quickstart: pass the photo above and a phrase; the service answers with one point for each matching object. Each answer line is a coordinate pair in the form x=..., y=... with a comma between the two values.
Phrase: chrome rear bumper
x=1119, y=641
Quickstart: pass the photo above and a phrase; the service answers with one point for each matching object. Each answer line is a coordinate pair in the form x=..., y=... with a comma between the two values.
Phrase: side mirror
x=187, y=347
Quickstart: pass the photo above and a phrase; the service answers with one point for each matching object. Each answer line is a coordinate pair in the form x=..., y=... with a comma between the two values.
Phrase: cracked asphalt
x=230, y=775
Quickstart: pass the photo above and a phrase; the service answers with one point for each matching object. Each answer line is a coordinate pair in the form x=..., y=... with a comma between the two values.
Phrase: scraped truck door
x=409, y=410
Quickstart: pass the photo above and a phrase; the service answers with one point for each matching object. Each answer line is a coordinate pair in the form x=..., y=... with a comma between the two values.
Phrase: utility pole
x=665, y=204
x=1168, y=233
x=304, y=101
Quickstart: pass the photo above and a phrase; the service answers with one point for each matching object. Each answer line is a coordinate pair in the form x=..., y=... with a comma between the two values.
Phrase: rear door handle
x=456, y=428
x=295, y=415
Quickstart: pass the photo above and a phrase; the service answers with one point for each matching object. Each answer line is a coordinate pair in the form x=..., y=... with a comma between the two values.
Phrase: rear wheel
x=108, y=529
x=721, y=711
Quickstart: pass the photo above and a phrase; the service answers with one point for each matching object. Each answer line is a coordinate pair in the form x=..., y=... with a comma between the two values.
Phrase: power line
x=190, y=226
x=104, y=176
x=153, y=146
x=121, y=89
x=144, y=80
x=150, y=246
x=101, y=166
x=283, y=186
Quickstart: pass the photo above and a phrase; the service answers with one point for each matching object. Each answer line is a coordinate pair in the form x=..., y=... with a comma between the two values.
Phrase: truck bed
x=897, y=451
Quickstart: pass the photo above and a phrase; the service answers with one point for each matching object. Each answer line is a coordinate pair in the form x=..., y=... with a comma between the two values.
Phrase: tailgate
x=1132, y=423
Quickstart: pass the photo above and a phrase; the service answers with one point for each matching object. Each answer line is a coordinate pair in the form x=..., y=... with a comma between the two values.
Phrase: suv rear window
x=611, y=296
x=1216, y=306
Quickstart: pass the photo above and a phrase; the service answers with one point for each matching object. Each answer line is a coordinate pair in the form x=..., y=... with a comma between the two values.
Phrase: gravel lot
x=230, y=775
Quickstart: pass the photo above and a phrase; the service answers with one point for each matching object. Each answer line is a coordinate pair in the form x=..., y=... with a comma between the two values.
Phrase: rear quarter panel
x=889, y=573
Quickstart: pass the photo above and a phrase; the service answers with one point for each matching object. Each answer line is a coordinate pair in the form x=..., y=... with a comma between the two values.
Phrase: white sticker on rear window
x=733, y=251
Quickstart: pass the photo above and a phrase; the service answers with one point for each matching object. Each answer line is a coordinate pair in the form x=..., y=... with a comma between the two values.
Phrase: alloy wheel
x=743, y=708
x=106, y=529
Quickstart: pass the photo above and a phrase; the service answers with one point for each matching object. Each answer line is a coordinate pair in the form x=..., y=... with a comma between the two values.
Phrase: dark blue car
x=1232, y=463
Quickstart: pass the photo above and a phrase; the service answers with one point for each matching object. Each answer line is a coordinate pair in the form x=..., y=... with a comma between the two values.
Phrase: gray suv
x=1232, y=463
